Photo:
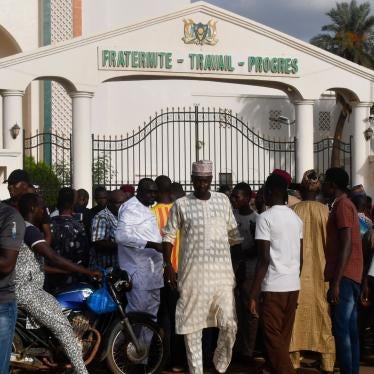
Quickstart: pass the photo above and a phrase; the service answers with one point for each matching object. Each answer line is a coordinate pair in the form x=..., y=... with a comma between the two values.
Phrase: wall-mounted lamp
x=14, y=131
x=368, y=133
x=283, y=120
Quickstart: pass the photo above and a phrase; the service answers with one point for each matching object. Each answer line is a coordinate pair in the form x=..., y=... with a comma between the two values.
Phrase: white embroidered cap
x=203, y=168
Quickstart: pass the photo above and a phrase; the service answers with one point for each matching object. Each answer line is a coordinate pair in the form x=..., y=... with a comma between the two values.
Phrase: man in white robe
x=205, y=276
x=139, y=249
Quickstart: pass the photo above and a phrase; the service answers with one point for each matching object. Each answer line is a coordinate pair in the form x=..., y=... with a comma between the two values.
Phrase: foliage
x=102, y=170
x=350, y=33
x=63, y=173
x=351, y=36
x=43, y=176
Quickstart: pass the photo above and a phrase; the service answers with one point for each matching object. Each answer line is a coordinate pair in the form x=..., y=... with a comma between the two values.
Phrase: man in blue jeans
x=12, y=230
x=344, y=266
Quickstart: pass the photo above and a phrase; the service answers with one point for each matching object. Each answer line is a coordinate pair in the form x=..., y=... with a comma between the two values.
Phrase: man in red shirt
x=344, y=266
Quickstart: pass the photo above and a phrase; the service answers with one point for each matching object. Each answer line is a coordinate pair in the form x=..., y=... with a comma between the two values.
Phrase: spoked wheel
x=123, y=357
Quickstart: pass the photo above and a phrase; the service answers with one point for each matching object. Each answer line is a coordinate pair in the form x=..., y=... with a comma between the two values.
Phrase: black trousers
x=176, y=351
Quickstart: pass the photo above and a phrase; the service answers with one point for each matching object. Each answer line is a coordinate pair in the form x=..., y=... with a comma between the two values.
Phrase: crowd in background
x=299, y=276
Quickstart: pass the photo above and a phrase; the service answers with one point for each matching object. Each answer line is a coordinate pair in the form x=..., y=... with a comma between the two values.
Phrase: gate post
x=360, y=149
x=304, y=134
x=12, y=116
x=295, y=155
x=197, y=133
x=81, y=141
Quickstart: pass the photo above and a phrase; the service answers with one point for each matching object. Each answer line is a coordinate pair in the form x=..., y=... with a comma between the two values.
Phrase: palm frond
x=349, y=34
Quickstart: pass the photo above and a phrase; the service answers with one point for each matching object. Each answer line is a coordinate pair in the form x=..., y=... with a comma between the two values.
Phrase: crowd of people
x=285, y=270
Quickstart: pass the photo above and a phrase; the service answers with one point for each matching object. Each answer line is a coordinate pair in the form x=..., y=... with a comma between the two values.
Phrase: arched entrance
x=159, y=49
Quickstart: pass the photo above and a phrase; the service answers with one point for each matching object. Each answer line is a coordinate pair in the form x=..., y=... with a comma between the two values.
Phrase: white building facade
x=223, y=81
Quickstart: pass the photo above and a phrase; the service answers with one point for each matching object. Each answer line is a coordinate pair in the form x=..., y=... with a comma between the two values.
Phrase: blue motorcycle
x=129, y=343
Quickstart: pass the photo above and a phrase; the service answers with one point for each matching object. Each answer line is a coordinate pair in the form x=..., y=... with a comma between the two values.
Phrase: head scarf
x=128, y=188
x=311, y=181
x=283, y=174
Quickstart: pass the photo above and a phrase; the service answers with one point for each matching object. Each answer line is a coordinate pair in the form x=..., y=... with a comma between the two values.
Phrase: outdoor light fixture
x=368, y=133
x=283, y=120
x=14, y=131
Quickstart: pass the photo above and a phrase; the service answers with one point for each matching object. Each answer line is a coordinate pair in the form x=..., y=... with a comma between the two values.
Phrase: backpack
x=69, y=239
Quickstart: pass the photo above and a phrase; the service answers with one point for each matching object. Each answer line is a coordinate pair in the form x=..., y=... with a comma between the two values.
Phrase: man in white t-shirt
x=279, y=233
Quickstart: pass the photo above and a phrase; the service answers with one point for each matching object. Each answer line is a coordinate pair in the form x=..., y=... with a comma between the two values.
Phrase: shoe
x=178, y=369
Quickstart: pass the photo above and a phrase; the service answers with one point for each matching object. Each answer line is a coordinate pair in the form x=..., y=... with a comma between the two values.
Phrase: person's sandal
x=178, y=369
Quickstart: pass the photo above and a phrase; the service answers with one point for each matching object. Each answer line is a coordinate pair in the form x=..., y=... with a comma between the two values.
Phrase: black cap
x=17, y=176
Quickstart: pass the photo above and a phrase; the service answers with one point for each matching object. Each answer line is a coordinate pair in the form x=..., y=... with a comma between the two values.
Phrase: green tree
x=42, y=175
x=349, y=36
x=102, y=170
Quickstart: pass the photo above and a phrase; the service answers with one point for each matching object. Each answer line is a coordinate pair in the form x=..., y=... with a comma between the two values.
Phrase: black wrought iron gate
x=173, y=139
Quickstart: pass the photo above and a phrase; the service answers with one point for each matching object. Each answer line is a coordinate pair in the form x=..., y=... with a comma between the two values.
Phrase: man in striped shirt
x=104, y=225
x=169, y=295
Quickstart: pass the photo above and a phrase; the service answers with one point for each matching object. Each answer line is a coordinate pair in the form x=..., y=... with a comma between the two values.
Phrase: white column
x=304, y=137
x=1, y=122
x=12, y=114
x=360, y=147
x=81, y=138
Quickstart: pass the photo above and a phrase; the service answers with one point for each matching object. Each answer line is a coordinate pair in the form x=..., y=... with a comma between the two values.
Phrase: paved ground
x=366, y=368
x=244, y=369
x=241, y=369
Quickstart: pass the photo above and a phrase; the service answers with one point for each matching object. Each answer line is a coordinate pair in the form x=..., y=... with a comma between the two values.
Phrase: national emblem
x=199, y=33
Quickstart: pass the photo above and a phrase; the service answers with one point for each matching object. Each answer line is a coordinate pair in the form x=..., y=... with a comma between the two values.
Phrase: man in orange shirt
x=169, y=295
x=161, y=211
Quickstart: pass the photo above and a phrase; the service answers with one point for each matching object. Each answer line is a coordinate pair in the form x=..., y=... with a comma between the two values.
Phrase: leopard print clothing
x=42, y=306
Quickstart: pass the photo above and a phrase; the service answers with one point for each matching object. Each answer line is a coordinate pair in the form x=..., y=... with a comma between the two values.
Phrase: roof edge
x=210, y=10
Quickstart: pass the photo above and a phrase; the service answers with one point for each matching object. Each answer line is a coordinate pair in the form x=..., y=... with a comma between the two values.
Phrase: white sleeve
x=262, y=228
x=126, y=234
x=301, y=229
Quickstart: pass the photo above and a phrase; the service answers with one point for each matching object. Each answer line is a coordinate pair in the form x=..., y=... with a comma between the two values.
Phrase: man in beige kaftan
x=312, y=328
x=205, y=276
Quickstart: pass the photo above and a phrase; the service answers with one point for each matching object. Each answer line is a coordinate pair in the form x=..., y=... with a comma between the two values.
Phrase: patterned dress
x=205, y=274
x=39, y=304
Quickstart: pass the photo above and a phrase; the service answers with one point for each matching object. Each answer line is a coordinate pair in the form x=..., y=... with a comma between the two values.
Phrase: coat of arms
x=200, y=33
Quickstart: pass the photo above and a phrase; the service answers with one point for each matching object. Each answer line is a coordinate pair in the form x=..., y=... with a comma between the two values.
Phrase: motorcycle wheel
x=122, y=357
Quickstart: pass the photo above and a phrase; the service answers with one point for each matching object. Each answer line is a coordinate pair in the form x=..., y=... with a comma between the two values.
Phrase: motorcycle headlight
x=87, y=292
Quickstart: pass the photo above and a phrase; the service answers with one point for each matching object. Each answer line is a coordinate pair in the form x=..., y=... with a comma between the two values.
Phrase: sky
x=300, y=18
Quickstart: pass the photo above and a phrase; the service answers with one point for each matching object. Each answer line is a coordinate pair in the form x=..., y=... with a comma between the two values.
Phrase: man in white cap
x=205, y=277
